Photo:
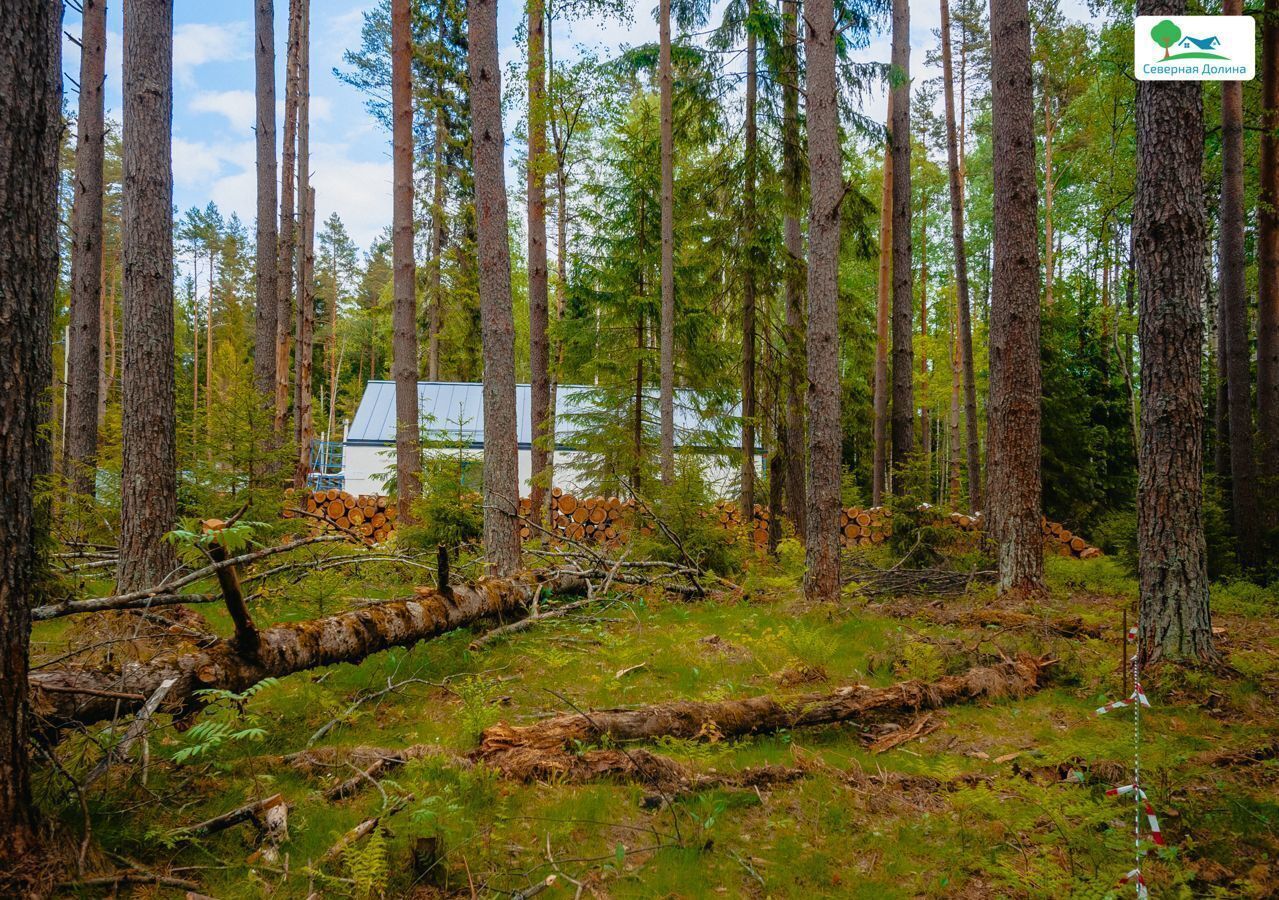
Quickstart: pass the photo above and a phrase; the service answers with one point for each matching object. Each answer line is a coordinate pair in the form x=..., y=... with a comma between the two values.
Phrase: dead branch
x=142, y=598
x=245, y=813
x=121, y=750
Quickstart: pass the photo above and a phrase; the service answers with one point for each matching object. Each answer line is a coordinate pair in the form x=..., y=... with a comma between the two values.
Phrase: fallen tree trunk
x=546, y=748
x=82, y=695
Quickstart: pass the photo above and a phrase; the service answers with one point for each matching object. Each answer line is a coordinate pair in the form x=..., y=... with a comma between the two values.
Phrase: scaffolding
x=326, y=466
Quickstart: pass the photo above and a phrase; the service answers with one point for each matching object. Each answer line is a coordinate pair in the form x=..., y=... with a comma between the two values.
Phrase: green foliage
x=367, y=865
x=478, y=709
x=450, y=510
x=193, y=542
x=691, y=532
x=919, y=529
x=226, y=721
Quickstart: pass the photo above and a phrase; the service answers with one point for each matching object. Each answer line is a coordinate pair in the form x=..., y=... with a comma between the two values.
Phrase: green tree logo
x=1165, y=34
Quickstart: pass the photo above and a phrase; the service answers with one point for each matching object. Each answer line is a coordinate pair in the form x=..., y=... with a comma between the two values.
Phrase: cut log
x=73, y=694
x=546, y=749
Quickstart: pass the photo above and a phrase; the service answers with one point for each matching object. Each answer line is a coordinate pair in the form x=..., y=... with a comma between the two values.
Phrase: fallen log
x=82, y=695
x=547, y=748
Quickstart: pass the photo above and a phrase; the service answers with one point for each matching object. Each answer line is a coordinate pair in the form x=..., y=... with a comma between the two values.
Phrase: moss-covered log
x=547, y=748
x=85, y=695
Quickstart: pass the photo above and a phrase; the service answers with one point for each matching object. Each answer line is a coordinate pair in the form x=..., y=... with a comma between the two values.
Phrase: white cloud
x=196, y=44
x=237, y=107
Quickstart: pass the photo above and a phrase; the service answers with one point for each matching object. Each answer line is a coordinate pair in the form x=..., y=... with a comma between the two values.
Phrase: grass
x=1014, y=832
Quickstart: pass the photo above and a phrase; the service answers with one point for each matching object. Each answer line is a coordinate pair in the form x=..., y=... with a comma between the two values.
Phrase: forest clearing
x=775, y=449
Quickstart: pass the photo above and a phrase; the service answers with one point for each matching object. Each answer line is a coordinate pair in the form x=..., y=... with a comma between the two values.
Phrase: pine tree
x=501, y=480
x=86, y=257
x=1168, y=241
x=1013, y=436
x=30, y=130
x=149, y=476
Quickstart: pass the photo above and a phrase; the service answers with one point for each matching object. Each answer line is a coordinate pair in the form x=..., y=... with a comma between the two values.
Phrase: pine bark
x=148, y=482
x=497, y=329
x=954, y=163
x=666, y=324
x=304, y=360
x=791, y=440
x=1049, y=258
x=266, y=262
x=879, y=474
x=287, y=259
x=85, y=349
x=1168, y=236
x=538, y=286
x=304, y=338
x=747, y=496
x=1013, y=441
x=903, y=414
x=1268, y=264
x=30, y=132
x=826, y=187
x=1234, y=306
x=408, y=455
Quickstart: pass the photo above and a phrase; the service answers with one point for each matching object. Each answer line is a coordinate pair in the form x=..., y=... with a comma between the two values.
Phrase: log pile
x=862, y=527
x=1058, y=538
x=732, y=520
x=370, y=516
x=599, y=520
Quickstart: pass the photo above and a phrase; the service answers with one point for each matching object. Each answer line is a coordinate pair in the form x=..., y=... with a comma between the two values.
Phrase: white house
x=452, y=415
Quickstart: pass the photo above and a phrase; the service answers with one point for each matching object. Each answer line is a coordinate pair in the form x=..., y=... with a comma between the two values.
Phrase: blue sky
x=213, y=152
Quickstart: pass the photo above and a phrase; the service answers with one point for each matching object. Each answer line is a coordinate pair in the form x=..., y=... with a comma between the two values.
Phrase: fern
x=366, y=865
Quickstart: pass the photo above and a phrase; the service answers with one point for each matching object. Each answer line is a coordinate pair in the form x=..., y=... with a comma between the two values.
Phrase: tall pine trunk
x=666, y=325
x=497, y=329
x=148, y=481
x=1049, y=257
x=408, y=455
x=1013, y=440
x=791, y=437
x=826, y=182
x=439, y=222
x=538, y=300
x=1237, y=363
x=748, y=287
x=1268, y=264
x=1168, y=238
x=879, y=474
x=903, y=415
x=287, y=258
x=30, y=132
x=955, y=167
x=85, y=349
x=266, y=262
x=925, y=428
x=303, y=360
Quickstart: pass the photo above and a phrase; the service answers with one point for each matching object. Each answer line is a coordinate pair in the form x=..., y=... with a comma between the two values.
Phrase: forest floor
x=994, y=799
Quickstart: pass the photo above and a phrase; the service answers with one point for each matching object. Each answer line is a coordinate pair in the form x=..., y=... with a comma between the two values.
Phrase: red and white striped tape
x=1137, y=696
x=1134, y=877
x=1155, y=834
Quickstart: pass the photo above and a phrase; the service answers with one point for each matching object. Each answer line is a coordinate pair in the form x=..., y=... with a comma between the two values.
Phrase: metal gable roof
x=454, y=412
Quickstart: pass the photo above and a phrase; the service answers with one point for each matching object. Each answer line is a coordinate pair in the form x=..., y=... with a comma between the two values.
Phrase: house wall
x=368, y=469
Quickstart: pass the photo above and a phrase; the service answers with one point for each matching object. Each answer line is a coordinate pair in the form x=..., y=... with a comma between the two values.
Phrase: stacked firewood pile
x=367, y=515
x=600, y=520
x=732, y=520
x=1057, y=537
x=862, y=527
